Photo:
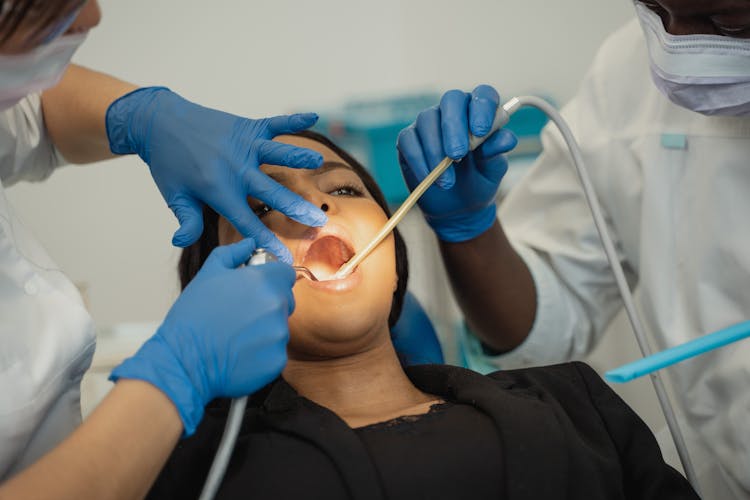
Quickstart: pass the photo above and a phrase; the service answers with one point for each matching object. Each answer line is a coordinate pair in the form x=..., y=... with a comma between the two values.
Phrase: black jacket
x=565, y=435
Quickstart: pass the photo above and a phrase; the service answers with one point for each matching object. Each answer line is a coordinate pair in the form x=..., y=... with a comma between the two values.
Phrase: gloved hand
x=225, y=335
x=461, y=204
x=199, y=155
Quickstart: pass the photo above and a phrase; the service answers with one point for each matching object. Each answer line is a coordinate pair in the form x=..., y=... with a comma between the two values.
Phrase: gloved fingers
x=431, y=139
x=230, y=256
x=280, y=278
x=266, y=239
x=455, y=123
x=493, y=168
x=289, y=124
x=411, y=156
x=278, y=197
x=501, y=141
x=287, y=155
x=189, y=213
x=238, y=213
x=257, y=358
x=482, y=108
x=266, y=369
x=409, y=176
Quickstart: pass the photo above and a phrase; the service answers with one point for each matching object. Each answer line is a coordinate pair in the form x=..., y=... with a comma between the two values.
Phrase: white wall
x=107, y=226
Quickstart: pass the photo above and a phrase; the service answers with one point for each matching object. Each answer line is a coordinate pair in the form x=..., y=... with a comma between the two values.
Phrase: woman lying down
x=347, y=421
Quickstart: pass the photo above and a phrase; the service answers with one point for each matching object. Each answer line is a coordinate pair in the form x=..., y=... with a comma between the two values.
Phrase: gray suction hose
x=622, y=284
x=234, y=419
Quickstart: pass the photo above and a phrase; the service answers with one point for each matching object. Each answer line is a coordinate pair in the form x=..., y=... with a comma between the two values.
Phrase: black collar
x=525, y=421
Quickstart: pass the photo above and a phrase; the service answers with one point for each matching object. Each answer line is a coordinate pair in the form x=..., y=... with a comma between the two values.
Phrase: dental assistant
x=663, y=119
x=52, y=113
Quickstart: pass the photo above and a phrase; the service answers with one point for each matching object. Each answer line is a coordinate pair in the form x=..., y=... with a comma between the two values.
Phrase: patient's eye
x=347, y=190
x=262, y=210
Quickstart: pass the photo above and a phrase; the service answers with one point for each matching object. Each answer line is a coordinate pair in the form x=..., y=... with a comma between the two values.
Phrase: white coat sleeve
x=26, y=150
x=549, y=223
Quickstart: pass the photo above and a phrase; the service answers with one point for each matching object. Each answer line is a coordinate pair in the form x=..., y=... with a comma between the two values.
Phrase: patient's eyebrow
x=330, y=165
x=283, y=177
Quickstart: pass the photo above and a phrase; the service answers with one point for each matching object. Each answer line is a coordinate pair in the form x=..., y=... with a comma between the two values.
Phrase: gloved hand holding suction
x=461, y=205
x=226, y=334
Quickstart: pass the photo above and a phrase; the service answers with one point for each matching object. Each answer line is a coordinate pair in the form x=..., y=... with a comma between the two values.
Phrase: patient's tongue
x=325, y=256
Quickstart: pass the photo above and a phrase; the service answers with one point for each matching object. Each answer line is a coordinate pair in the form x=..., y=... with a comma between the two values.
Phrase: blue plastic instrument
x=673, y=355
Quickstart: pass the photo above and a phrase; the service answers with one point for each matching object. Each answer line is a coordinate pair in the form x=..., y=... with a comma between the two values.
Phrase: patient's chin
x=334, y=322
x=335, y=335
x=312, y=346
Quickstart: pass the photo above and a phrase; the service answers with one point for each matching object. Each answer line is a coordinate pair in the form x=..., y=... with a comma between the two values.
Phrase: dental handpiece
x=501, y=118
x=236, y=411
x=261, y=256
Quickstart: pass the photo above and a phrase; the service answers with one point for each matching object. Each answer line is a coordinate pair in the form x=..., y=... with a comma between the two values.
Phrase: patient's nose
x=325, y=201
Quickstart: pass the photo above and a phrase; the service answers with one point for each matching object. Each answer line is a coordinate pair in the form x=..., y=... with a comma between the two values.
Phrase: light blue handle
x=662, y=359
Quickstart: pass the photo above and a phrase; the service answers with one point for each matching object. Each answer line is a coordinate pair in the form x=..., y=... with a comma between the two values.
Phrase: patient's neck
x=363, y=388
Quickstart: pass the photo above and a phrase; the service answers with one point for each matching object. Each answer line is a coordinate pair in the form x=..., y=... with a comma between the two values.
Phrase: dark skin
x=502, y=316
x=475, y=268
x=711, y=17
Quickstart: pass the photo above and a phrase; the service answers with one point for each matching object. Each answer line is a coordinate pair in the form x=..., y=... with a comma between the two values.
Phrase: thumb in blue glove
x=225, y=335
x=461, y=204
x=199, y=155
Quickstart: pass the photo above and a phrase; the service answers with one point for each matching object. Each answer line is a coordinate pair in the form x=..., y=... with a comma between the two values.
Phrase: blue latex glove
x=225, y=335
x=461, y=204
x=199, y=155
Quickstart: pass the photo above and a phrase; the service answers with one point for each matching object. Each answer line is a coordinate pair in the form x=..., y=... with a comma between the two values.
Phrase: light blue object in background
x=368, y=130
x=413, y=335
x=674, y=141
x=662, y=359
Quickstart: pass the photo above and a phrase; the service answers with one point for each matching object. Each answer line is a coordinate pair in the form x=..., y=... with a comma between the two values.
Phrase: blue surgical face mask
x=709, y=74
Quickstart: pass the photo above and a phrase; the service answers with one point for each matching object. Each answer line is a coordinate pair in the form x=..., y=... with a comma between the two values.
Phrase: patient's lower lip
x=339, y=285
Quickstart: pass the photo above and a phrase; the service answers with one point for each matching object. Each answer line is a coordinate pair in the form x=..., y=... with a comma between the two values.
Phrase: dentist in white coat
x=211, y=343
x=663, y=120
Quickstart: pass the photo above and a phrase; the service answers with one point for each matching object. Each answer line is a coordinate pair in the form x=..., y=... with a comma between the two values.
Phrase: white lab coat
x=46, y=335
x=675, y=186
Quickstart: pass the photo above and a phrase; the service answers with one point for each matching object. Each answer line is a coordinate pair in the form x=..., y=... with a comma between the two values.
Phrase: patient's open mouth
x=326, y=255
